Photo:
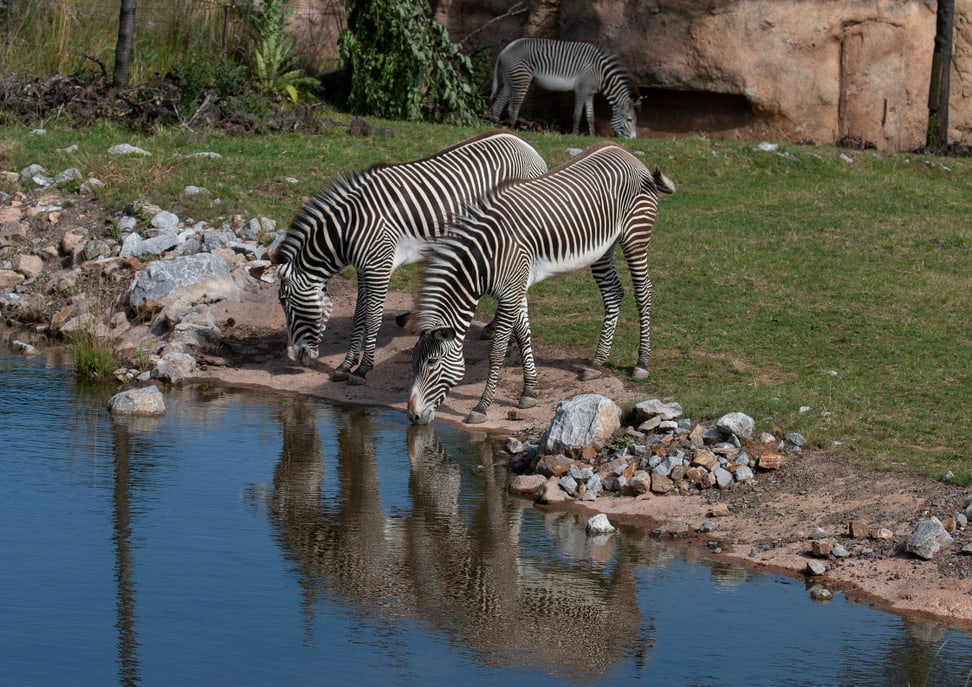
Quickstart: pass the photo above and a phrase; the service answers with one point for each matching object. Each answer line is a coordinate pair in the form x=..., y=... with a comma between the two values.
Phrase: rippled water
x=255, y=539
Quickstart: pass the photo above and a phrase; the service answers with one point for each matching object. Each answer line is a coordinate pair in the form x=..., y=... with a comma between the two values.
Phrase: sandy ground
x=768, y=522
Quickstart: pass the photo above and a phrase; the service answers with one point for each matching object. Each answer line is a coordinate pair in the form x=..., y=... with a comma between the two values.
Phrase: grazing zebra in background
x=376, y=221
x=566, y=220
x=583, y=68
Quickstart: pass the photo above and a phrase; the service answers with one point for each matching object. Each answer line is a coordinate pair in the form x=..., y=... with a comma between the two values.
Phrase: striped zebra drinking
x=376, y=221
x=566, y=220
x=584, y=68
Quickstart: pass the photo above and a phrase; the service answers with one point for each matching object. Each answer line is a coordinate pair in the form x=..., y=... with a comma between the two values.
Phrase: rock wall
x=786, y=70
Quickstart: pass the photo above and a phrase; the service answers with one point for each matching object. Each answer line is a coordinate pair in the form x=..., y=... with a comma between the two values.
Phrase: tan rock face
x=784, y=70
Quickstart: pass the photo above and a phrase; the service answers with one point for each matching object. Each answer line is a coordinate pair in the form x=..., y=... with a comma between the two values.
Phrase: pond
x=252, y=539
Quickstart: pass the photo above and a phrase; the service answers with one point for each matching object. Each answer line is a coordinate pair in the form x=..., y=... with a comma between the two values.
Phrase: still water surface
x=256, y=539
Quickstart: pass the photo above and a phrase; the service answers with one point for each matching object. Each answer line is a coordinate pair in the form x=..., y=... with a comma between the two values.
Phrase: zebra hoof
x=527, y=402
x=639, y=373
x=340, y=375
x=475, y=418
x=589, y=373
x=356, y=380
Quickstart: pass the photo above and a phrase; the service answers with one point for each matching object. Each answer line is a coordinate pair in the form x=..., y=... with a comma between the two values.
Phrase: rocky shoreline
x=177, y=301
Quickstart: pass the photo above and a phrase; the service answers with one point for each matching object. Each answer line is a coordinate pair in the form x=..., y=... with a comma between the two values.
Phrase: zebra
x=584, y=68
x=376, y=221
x=529, y=230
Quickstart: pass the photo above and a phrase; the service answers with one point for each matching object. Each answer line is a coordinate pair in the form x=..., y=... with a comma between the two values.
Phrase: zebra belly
x=552, y=82
x=408, y=250
x=544, y=268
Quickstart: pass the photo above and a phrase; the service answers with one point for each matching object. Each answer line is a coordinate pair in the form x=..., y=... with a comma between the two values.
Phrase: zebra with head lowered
x=583, y=68
x=566, y=220
x=376, y=221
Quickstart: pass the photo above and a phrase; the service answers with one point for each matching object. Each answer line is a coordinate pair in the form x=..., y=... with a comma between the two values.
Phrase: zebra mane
x=305, y=222
x=615, y=70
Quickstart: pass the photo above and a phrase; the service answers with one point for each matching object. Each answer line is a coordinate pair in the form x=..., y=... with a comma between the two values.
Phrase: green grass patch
x=812, y=293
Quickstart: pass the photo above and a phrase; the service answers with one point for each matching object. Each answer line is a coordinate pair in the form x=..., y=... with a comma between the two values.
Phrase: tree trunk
x=941, y=67
x=126, y=44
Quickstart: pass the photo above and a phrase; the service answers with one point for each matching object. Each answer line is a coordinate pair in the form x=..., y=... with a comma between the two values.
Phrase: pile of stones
x=581, y=458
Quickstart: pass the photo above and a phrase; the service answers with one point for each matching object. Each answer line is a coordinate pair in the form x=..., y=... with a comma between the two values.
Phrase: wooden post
x=938, y=90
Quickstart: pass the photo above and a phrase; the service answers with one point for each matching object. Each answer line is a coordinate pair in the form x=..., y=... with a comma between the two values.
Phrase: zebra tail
x=662, y=182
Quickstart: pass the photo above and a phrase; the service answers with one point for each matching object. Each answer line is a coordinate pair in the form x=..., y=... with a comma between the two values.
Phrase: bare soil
x=769, y=520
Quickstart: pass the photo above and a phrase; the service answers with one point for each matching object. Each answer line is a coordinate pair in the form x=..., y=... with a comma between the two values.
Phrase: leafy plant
x=274, y=66
x=403, y=65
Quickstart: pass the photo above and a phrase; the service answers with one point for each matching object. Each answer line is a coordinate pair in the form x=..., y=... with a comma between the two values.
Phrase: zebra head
x=307, y=308
x=624, y=118
x=437, y=366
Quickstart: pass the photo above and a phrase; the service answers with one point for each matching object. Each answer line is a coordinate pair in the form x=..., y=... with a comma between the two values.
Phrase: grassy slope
x=782, y=281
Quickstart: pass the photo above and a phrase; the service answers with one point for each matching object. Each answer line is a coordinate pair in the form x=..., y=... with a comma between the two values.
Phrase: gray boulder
x=145, y=401
x=584, y=421
x=158, y=279
x=738, y=424
x=928, y=539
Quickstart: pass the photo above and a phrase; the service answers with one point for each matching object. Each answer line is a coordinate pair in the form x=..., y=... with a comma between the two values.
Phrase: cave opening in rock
x=671, y=111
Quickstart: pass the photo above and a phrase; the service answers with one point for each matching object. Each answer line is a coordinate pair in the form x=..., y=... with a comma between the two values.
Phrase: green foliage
x=274, y=66
x=94, y=358
x=403, y=65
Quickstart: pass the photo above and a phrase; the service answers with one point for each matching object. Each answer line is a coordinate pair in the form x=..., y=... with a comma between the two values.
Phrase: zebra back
x=417, y=197
x=578, y=208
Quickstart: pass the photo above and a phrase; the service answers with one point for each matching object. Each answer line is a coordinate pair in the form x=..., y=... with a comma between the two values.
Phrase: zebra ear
x=444, y=334
x=263, y=270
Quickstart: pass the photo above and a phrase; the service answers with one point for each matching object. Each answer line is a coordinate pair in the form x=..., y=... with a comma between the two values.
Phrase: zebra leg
x=378, y=289
x=637, y=259
x=589, y=110
x=612, y=293
x=497, y=354
x=518, y=85
x=343, y=371
x=523, y=339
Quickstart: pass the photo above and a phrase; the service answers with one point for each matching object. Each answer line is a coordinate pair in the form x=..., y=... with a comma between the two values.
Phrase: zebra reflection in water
x=453, y=559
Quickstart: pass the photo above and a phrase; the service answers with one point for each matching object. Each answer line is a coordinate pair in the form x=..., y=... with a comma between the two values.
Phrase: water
x=254, y=539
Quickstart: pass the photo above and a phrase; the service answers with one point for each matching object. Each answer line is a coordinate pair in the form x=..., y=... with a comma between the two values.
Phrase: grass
x=812, y=293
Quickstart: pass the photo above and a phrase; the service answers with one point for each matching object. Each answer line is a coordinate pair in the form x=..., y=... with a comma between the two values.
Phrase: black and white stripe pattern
x=566, y=220
x=376, y=221
x=554, y=65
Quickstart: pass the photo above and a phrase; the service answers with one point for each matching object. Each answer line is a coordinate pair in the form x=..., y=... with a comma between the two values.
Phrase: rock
x=738, y=424
x=723, y=477
x=672, y=529
x=23, y=348
x=12, y=233
x=10, y=279
x=858, y=529
x=555, y=465
x=599, y=524
x=821, y=548
x=28, y=265
x=165, y=221
x=656, y=408
x=551, y=493
x=719, y=510
x=158, y=245
x=145, y=401
x=159, y=279
x=820, y=593
x=928, y=538
x=126, y=149
x=705, y=459
x=815, y=568
x=744, y=473
x=586, y=420
x=174, y=367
